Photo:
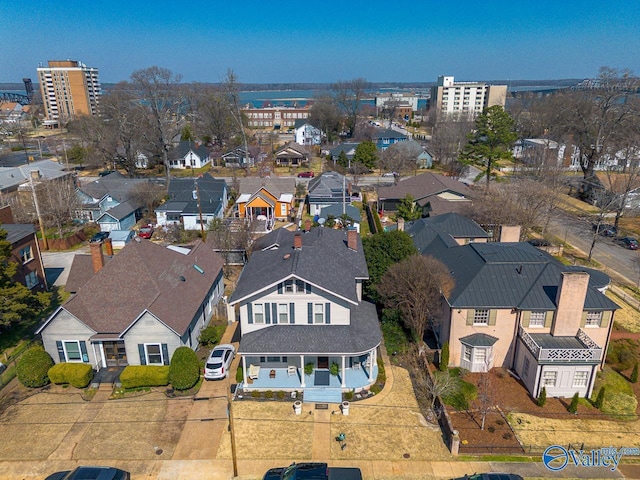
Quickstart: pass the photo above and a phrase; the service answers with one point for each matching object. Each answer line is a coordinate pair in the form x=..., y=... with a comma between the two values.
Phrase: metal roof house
x=304, y=323
x=516, y=307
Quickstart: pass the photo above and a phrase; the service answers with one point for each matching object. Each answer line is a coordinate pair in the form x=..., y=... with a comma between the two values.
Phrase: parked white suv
x=219, y=362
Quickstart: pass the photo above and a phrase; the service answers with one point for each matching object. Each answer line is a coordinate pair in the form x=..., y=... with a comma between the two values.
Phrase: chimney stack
x=572, y=292
x=97, y=259
x=297, y=241
x=108, y=247
x=352, y=239
x=510, y=233
x=400, y=224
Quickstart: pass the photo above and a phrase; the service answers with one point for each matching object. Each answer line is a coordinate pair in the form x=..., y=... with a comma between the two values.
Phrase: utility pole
x=45, y=246
x=196, y=193
x=234, y=456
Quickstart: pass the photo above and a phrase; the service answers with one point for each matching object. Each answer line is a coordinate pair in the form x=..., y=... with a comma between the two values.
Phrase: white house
x=307, y=134
x=188, y=155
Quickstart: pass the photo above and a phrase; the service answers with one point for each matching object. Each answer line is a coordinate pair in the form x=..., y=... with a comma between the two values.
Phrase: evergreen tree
x=408, y=209
x=600, y=399
x=343, y=160
x=634, y=373
x=573, y=406
x=542, y=398
x=444, y=357
x=366, y=154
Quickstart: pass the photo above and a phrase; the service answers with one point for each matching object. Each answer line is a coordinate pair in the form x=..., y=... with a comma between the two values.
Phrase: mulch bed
x=510, y=395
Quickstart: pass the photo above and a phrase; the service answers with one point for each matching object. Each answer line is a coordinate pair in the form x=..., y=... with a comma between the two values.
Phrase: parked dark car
x=308, y=174
x=91, y=473
x=99, y=237
x=628, y=242
x=605, y=229
x=539, y=242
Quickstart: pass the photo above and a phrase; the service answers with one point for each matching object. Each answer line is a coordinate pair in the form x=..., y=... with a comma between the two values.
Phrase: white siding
x=148, y=330
x=66, y=327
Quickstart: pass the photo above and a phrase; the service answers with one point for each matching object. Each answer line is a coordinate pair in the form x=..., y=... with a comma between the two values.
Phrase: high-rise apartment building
x=464, y=99
x=69, y=88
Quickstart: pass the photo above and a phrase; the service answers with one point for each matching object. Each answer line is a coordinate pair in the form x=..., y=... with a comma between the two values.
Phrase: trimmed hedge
x=135, y=376
x=33, y=366
x=75, y=374
x=184, y=371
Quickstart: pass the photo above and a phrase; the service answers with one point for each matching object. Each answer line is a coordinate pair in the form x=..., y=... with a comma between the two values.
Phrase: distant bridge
x=15, y=97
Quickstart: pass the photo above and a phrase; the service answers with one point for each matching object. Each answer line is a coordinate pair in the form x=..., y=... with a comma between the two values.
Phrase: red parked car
x=146, y=231
x=306, y=175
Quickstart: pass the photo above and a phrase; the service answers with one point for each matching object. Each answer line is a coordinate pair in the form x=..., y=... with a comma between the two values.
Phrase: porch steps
x=322, y=395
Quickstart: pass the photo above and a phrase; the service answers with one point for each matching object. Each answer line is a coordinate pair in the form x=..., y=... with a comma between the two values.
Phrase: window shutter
x=83, y=350
x=526, y=316
x=165, y=354
x=143, y=358
x=61, y=351
x=327, y=313
x=583, y=321
x=548, y=319
x=307, y=287
x=280, y=289
x=606, y=318
x=470, y=314
x=267, y=313
x=492, y=317
x=310, y=312
x=292, y=313
x=274, y=312
x=249, y=313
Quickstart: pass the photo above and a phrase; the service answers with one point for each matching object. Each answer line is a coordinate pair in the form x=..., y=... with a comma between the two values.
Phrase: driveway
x=58, y=264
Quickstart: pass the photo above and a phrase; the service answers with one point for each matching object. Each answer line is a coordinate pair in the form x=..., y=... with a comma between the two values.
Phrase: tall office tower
x=69, y=88
x=464, y=100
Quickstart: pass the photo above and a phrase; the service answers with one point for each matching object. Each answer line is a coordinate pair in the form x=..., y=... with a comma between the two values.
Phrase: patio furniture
x=272, y=374
x=356, y=365
x=254, y=371
x=291, y=370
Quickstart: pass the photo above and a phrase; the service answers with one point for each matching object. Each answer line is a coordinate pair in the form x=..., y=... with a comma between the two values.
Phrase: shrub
x=256, y=394
x=634, y=373
x=184, y=371
x=573, y=406
x=210, y=336
x=334, y=369
x=348, y=396
x=33, y=366
x=499, y=422
x=308, y=368
x=239, y=374
x=542, y=398
x=506, y=435
x=444, y=357
x=491, y=428
x=268, y=394
x=600, y=398
x=395, y=336
x=280, y=394
x=75, y=374
x=462, y=393
x=135, y=376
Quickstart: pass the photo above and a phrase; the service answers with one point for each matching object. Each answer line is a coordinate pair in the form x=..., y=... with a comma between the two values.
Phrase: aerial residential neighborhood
x=241, y=244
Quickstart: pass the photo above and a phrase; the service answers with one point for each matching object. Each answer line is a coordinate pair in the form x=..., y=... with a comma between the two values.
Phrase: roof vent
x=198, y=269
x=287, y=256
x=182, y=279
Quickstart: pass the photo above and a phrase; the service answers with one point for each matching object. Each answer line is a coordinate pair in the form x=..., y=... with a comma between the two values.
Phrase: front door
x=323, y=362
x=115, y=354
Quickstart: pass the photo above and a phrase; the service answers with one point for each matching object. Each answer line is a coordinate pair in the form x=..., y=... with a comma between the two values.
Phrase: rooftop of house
x=336, y=212
x=17, y=231
x=184, y=147
x=157, y=279
x=328, y=184
x=181, y=195
x=116, y=185
x=387, y=133
x=424, y=185
x=450, y=225
x=324, y=260
x=11, y=177
x=275, y=186
x=292, y=148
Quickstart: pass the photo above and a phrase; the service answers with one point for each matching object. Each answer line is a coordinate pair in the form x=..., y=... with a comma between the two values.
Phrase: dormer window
x=294, y=286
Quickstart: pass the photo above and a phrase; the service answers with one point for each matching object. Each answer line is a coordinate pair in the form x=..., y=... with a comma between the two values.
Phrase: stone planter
x=297, y=407
x=345, y=408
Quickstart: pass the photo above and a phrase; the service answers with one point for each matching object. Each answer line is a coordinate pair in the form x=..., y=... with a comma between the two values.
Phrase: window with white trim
x=593, y=319
x=153, y=352
x=26, y=255
x=31, y=279
x=318, y=313
x=72, y=351
x=580, y=379
x=258, y=313
x=549, y=378
x=283, y=209
x=479, y=355
x=467, y=352
x=537, y=319
x=300, y=286
x=288, y=286
x=481, y=317
x=283, y=313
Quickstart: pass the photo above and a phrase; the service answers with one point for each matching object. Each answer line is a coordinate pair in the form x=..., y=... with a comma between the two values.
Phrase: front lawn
x=619, y=401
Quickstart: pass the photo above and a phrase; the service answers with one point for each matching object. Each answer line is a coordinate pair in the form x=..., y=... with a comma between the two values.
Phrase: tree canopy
x=366, y=154
x=408, y=209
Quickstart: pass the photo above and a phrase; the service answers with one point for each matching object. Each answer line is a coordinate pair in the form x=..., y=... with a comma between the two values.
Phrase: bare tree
x=484, y=401
x=149, y=194
x=448, y=138
x=426, y=386
x=401, y=157
x=415, y=286
x=324, y=114
x=215, y=120
x=349, y=96
x=58, y=203
x=232, y=92
x=160, y=100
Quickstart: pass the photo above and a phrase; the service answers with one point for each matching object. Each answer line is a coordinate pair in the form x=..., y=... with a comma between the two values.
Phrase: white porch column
x=343, y=373
x=244, y=370
x=302, y=371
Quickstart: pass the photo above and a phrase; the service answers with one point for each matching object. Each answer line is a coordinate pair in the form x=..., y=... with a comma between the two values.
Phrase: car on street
x=390, y=174
x=308, y=174
x=605, y=229
x=219, y=362
x=146, y=231
x=99, y=237
x=91, y=473
x=628, y=242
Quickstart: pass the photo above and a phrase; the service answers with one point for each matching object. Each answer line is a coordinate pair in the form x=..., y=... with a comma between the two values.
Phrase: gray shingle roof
x=211, y=190
x=422, y=186
x=115, y=184
x=336, y=211
x=11, y=177
x=508, y=275
x=449, y=226
x=183, y=148
x=362, y=335
x=329, y=185
x=275, y=186
x=324, y=261
x=17, y=231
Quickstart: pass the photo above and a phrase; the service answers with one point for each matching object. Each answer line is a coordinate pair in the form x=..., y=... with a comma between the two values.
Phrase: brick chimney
x=108, y=247
x=297, y=241
x=570, y=303
x=35, y=174
x=400, y=224
x=352, y=239
x=97, y=259
x=510, y=233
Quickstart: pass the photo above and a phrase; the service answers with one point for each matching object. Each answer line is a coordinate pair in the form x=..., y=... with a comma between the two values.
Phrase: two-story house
x=137, y=308
x=328, y=189
x=307, y=134
x=516, y=307
x=25, y=251
x=189, y=155
x=304, y=323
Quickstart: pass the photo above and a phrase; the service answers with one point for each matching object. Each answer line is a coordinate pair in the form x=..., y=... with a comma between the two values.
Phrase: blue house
x=385, y=137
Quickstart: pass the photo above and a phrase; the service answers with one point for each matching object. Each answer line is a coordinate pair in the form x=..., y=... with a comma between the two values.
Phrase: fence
x=10, y=362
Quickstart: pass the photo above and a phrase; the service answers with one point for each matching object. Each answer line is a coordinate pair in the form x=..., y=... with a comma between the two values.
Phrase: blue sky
x=323, y=41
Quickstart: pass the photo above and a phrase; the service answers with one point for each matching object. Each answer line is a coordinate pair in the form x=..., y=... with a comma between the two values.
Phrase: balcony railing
x=590, y=353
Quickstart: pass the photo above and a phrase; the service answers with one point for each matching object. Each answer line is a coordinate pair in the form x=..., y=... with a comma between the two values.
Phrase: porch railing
x=590, y=353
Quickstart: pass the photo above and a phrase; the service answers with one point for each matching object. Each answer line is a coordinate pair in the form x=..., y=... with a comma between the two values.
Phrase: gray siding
x=149, y=330
x=66, y=327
